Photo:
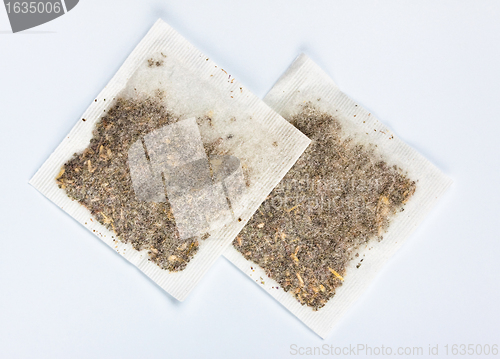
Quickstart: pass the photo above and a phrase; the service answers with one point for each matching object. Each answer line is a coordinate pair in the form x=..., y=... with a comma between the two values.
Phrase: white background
x=430, y=70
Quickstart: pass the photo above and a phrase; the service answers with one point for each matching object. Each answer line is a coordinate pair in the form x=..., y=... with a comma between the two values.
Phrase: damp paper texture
x=170, y=161
x=353, y=197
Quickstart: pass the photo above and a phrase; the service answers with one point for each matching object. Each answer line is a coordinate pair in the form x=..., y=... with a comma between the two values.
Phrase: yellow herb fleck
x=335, y=273
x=301, y=282
x=61, y=172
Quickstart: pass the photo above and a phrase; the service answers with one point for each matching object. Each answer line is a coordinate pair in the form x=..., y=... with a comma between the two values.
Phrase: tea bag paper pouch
x=170, y=161
x=305, y=84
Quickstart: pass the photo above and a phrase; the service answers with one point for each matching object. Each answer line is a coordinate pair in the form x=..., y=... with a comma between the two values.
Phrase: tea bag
x=170, y=161
x=343, y=209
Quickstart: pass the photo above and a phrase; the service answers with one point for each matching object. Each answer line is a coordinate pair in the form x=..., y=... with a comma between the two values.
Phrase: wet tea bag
x=170, y=161
x=343, y=209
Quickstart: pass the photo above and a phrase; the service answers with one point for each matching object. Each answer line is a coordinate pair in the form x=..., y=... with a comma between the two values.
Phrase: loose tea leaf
x=338, y=196
x=99, y=178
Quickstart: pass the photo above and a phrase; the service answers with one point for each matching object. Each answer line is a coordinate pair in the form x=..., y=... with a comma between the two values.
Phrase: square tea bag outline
x=305, y=84
x=164, y=58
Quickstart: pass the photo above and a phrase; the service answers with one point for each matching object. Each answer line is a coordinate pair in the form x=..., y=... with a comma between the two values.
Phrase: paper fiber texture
x=305, y=83
x=214, y=153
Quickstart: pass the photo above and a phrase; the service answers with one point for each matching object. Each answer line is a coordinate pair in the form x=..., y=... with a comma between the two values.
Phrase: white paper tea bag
x=343, y=209
x=170, y=161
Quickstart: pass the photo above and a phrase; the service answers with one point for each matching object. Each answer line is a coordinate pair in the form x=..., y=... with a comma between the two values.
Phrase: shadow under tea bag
x=342, y=210
x=170, y=161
